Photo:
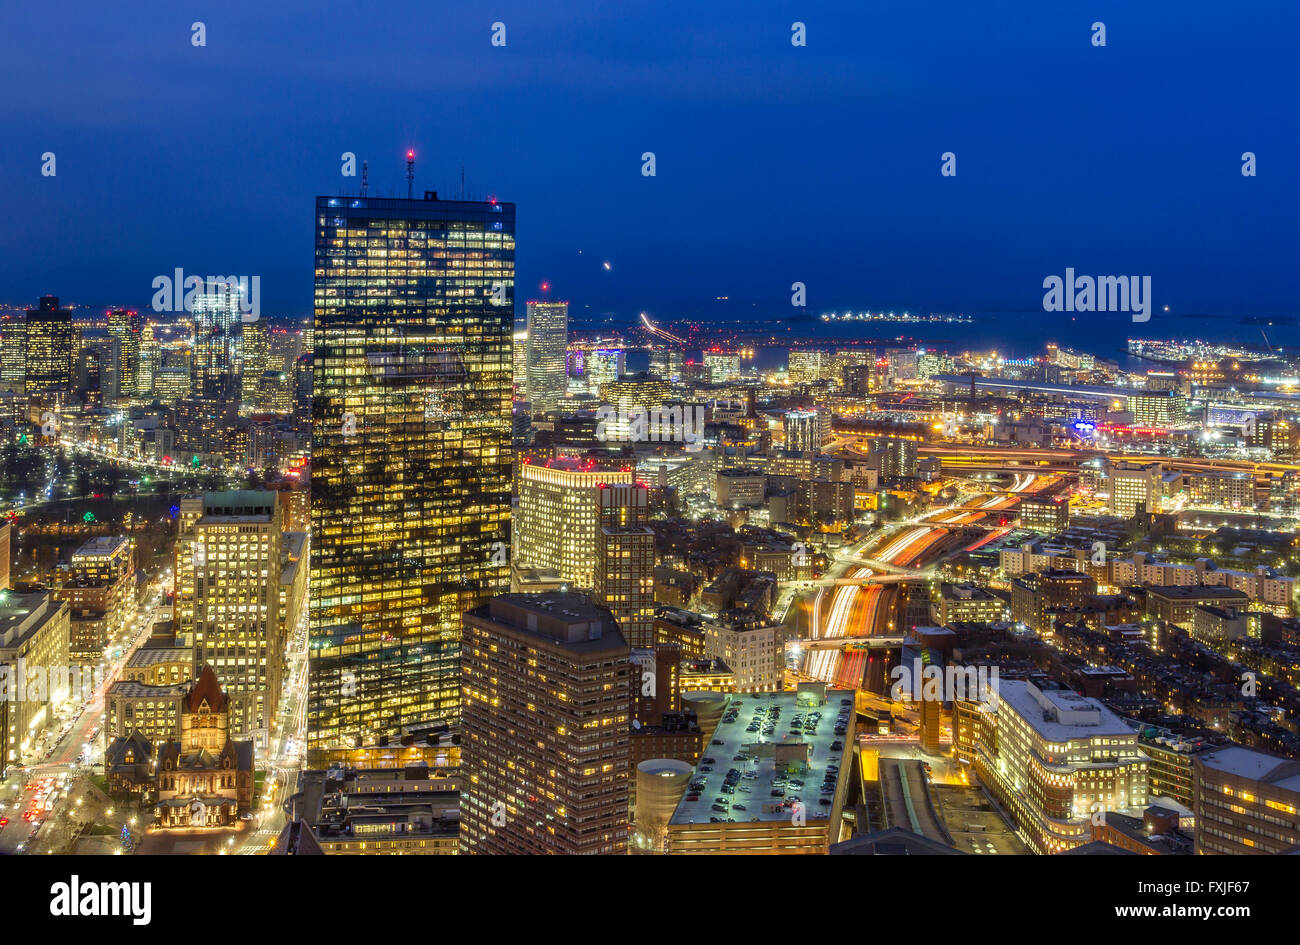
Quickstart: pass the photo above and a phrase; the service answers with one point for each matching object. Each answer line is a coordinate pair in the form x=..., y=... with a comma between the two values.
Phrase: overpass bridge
x=852, y=643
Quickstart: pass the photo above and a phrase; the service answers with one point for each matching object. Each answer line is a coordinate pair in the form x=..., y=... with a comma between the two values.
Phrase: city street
x=74, y=750
x=287, y=751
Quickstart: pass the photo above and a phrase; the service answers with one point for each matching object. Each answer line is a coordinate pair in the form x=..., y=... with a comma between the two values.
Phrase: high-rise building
x=807, y=367
x=667, y=363
x=51, y=344
x=803, y=431
x=603, y=365
x=547, y=346
x=13, y=352
x=896, y=455
x=227, y=603
x=546, y=756
x=150, y=361
x=126, y=326
x=254, y=361
x=625, y=560
x=721, y=366
x=519, y=363
x=99, y=586
x=1132, y=485
x=411, y=458
x=558, y=521
x=217, y=316
x=1162, y=409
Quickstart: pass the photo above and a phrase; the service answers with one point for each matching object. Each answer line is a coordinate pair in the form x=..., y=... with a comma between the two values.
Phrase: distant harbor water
x=1024, y=334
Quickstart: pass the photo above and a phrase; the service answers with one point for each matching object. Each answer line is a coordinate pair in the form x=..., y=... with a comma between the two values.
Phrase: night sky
x=774, y=163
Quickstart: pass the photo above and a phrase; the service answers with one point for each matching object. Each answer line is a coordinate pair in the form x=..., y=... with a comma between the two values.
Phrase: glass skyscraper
x=547, y=347
x=411, y=460
x=217, y=315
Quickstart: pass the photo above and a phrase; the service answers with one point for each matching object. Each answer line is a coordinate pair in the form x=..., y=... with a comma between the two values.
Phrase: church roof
x=206, y=689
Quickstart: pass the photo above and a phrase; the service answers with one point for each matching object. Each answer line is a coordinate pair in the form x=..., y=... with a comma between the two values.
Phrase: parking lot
x=739, y=777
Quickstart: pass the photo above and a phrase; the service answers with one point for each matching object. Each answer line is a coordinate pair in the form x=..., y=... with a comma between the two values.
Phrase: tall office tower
x=667, y=363
x=604, y=365
x=807, y=367
x=126, y=327
x=411, y=459
x=803, y=431
x=51, y=344
x=559, y=515
x=519, y=363
x=721, y=366
x=228, y=600
x=217, y=317
x=625, y=560
x=547, y=346
x=546, y=755
x=254, y=360
x=13, y=352
x=286, y=348
x=97, y=366
x=150, y=361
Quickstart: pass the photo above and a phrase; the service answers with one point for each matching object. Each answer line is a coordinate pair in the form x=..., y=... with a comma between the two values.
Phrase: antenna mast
x=365, y=176
x=410, y=175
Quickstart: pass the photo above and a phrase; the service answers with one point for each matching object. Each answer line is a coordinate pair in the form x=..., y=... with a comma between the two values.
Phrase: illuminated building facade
x=807, y=367
x=50, y=347
x=625, y=560
x=217, y=316
x=1055, y=759
x=126, y=326
x=804, y=431
x=546, y=757
x=1162, y=409
x=33, y=637
x=99, y=586
x=559, y=515
x=228, y=600
x=254, y=361
x=1134, y=484
x=603, y=365
x=1246, y=802
x=721, y=366
x=546, y=353
x=411, y=456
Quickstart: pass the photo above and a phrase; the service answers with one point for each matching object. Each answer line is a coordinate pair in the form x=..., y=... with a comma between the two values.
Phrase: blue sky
x=775, y=164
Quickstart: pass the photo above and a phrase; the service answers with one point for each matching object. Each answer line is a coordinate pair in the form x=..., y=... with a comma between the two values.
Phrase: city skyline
x=708, y=431
x=1092, y=165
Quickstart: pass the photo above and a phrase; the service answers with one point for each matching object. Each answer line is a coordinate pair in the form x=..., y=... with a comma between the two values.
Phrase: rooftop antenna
x=462, y=182
x=365, y=176
x=410, y=175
